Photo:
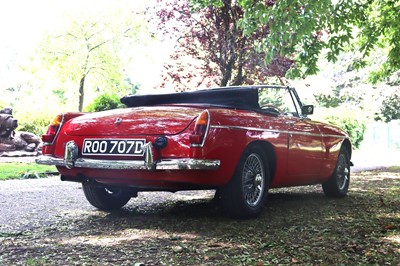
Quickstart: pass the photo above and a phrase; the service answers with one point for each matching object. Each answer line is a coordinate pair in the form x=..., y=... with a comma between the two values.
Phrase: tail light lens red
x=200, y=129
x=53, y=129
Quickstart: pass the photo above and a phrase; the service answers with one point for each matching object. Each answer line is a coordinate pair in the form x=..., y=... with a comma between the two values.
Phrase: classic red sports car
x=240, y=141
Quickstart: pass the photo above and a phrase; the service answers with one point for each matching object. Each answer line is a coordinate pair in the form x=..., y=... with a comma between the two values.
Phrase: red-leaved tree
x=211, y=49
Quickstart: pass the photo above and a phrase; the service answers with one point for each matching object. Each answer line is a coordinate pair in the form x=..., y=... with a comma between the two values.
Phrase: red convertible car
x=240, y=141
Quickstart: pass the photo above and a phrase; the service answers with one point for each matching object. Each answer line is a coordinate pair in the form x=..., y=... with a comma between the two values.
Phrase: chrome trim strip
x=333, y=136
x=277, y=131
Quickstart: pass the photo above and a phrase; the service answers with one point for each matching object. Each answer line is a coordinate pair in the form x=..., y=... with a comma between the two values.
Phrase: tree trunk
x=81, y=92
x=226, y=76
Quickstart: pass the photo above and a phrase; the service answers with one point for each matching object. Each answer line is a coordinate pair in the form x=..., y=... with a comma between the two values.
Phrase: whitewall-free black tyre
x=103, y=198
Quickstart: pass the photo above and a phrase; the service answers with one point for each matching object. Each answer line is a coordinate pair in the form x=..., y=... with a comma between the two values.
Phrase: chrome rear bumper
x=71, y=160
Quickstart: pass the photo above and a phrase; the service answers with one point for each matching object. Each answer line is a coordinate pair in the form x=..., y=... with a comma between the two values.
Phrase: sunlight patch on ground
x=125, y=236
x=395, y=239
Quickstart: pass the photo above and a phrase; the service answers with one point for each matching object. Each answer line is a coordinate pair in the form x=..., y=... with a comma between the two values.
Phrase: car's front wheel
x=104, y=198
x=244, y=196
x=338, y=184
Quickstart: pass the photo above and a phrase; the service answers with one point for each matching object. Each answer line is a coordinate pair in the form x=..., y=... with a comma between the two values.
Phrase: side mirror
x=307, y=109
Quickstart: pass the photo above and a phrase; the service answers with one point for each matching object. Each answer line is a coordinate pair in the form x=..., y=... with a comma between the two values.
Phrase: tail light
x=55, y=126
x=200, y=129
x=51, y=133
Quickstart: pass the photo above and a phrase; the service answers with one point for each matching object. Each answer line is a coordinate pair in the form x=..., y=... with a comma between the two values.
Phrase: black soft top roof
x=234, y=97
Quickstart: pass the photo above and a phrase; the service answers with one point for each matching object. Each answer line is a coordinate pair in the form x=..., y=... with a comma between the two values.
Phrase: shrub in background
x=353, y=127
x=390, y=109
x=103, y=102
x=36, y=123
x=37, y=120
x=348, y=120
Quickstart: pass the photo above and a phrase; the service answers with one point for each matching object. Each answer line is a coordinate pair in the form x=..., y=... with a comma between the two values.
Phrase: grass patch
x=24, y=170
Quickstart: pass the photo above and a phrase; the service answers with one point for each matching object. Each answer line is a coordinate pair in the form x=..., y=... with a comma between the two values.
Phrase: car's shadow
x=198, y=211
x=191, y=210
x=202, y=205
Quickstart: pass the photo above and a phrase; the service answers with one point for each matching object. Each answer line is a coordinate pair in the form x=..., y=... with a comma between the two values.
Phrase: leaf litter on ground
x=298, y=226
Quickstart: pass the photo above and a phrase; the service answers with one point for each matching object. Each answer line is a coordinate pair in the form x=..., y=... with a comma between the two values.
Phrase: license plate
x=118, y=147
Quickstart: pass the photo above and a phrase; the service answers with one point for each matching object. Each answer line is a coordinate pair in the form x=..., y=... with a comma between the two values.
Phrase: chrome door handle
x=289, y=123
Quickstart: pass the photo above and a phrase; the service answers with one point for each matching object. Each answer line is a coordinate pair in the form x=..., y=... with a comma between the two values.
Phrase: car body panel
x=132, y=121
x=302, y=151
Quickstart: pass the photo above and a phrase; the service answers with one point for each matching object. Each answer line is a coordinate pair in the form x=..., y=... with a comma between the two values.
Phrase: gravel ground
x=33, y=203
x=49, y=222
x=27, y=204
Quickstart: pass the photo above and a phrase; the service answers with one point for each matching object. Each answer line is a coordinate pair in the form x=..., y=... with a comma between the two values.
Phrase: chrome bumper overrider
x=71, y=160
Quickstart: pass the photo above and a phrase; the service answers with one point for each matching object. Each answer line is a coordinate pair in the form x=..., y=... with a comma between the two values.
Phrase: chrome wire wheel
x=343, y=173
x=244, y=196
x=253, y=180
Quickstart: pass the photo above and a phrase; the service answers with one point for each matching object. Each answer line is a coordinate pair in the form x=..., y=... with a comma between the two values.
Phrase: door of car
x=304, y=146
x=305, y=149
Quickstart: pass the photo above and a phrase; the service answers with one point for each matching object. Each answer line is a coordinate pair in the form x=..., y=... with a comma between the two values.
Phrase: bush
x=349, y=121
x=390, y=109
x=104, y=102
x=34, y=123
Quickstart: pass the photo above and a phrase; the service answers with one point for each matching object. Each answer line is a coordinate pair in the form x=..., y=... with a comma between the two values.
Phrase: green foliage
x=36, y=123
x=307, y=29
x=87, y=52
x=204, y=3
x=390, y=109
x=134, y=87
x=349, y=121
x=302, y=29
x=378, y=21
x=273, y=97
x=327, y=100
x=336, y=98
x=2, y=104
x=106, y=101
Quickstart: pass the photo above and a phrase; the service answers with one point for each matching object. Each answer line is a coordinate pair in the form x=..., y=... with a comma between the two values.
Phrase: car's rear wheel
x=338, y=184
x=244, y=196
x=105, y=198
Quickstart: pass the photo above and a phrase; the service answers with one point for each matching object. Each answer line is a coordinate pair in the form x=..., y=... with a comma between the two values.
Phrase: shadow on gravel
x=298, y=226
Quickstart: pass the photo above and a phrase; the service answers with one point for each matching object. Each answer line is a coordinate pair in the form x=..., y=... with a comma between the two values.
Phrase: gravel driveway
x=33, y=203
x=49, y=222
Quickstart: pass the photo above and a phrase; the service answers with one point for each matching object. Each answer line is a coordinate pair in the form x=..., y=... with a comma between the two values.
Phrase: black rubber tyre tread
x=331, y=188
x=231, y=196
x=101, y=199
